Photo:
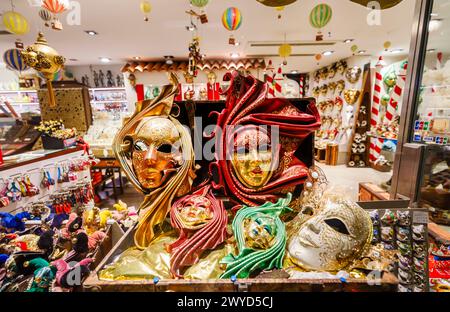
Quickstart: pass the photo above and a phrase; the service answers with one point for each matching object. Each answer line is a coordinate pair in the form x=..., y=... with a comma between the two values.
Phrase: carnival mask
x=353, y=74
x=252, y=158
x=323, y=73
x=332, y=86
x=259, y=232
x=341, y=67
x=340, y=86
x=316, y=92
x=156, y=151
x=261, y=239
x=333, y=238
x=196, y=212
x=332, y=71
x=324, y=90
x=351, y=96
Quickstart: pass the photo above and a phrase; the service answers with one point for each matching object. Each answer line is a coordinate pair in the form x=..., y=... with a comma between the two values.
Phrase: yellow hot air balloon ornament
x=45, y=60
x=15, y=23
x=285, y=51
x=146, y=8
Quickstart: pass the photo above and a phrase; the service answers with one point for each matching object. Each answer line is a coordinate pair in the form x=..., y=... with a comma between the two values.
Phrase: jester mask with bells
x=201, y=220
x=261, y=239
x=254, y=162
x=156, y=153
x=337, y=234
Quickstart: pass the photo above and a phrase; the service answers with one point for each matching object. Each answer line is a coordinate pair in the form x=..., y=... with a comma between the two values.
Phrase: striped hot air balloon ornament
x=13, y=59
x=232, y=21
x=319, y=17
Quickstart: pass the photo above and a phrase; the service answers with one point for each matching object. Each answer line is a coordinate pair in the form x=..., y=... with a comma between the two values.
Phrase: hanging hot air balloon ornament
x=146, y=8
x=232, y=20
x=201, y=4
x=46, y=16
x=285, y=51
x=15, y=23
x=14, y=61
x=45, y=60
x=319, y=17
x=354, y=48
x=387, y=45
x=56, y=7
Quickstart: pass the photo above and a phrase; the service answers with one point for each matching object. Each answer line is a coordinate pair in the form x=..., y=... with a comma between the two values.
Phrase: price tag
x=445, y=141
x=422, y=124
x=426, y=126
x=420, y=217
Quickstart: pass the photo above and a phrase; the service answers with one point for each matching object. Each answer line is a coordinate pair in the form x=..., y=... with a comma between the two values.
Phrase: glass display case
x=422, y=172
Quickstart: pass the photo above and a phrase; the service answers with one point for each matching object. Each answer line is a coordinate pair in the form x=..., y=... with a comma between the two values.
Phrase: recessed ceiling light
x=234, y=55
x=348, y=40
x=203, y=56
x=328, y=53
x=396, y=51
x=434, y=14
x=237, y=43
x=137, y=58
x=431, y=50
x=91, y=32
x=294, y=72
x=105, y=59
x=362, y=52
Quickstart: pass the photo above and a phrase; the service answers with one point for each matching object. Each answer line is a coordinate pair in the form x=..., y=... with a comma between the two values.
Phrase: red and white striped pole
x=376, y=147
x=375, y=116
x=277, y=83
x=302, y=87
x=269, y=79
x=396, y=94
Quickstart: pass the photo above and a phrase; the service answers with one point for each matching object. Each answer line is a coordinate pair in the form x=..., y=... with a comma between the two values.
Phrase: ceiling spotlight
x=136, y=58
x=349, y=40
x=327, y=53
x=294, y=72
x=396, y=51
x=431, y=50
x=362, y=52
x=91, y=32
x=237, y=43
x=234, y=55
x=434, y=25
x=203, y=56
x=434, y=14
x=105, y=59
x=169, y=59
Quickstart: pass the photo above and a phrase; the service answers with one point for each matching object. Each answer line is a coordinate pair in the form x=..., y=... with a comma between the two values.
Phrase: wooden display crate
x=387, y=283
x=372, y=192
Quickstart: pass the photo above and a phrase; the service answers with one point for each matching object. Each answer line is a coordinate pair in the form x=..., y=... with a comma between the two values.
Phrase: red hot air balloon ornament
x=56, y=7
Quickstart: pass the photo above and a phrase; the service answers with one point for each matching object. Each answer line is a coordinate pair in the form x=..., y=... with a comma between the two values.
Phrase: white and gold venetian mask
x=334, y=237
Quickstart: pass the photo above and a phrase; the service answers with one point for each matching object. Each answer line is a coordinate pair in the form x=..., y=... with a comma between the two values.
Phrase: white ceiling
x=124, y=34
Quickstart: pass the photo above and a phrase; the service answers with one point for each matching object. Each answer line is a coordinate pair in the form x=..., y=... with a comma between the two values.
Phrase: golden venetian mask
x=329, y=241
x=340, y=86
x=353, y=74
x=332, y=71
x=156, y=151
x=252, y=157
x=212, y=77
x=324, y=90
x=316, y=92
x=332, y=86
x=195, y=213
x=351, y=96
x=259, y=232
x=324, y=73
x=341, y=67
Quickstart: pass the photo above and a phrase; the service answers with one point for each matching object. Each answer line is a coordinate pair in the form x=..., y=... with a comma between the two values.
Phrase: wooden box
x=372, y=192
x=388, y=282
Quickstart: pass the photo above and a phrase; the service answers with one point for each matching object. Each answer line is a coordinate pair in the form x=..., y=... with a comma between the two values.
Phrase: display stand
x=358, y=150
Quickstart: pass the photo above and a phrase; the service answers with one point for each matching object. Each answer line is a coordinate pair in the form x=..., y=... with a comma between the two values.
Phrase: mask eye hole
x=140, y=146
x=242, y=150
x=338, y=226
x=166, y=148
x=309, y=211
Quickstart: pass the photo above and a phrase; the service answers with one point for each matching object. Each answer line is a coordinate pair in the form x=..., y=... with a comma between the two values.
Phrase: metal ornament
x=45, y=60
